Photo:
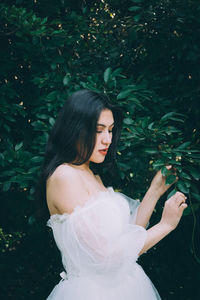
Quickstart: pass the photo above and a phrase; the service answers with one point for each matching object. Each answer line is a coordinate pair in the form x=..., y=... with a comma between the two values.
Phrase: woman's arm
x=146, y=207
x=155, y=191
x=171, y=216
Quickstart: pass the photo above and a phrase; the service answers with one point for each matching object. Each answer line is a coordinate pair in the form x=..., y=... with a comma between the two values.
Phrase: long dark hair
x=72, y=138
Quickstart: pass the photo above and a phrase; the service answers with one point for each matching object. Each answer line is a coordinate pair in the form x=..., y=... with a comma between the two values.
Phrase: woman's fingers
x=173, y=169
x=172, y=172
x=182, y=207
x=173, y=209
x=180, y=198
x=168, y=167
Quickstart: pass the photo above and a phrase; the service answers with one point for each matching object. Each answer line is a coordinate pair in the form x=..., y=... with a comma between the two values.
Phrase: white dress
x=99, y=244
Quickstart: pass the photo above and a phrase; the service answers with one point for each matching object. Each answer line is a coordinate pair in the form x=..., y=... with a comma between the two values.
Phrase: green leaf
x=51, y=121
x=135, y=101
x=52, y=95
x=151, y=150
x=137, y=18
x=174, y=162
x=107, y=74
x=18, y=146
x=124, y=94
x=196, y=196
x=122, y=175
x=171, y=193
x=194, y=187
x=7, y=173
x=128, y=121
x=195, y=173
x=53, y=66
x=165, y=171
x=37, y=159
x=42, y=116
x=66, y=80
x=158, y=164
x=39, y=125
x=187, y=183
x=189, y=210
x=2, y=158
x=185, y=175
x=85, y=10
x=44, y=20
x=6, y=186
x=171, y=116
x=170, y=179
x=182, y=187
x=31, y=220
x=183, y=146
x=117, y=72
x=32, y=190
x=150, y=126
x=177, y=119
x=167, y=116
x=33, y=169
x=134, y=8
x=172, y=129
x=191, y=155
x=7, y=128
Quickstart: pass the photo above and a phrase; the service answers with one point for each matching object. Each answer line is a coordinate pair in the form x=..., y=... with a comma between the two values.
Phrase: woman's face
x=104, y=128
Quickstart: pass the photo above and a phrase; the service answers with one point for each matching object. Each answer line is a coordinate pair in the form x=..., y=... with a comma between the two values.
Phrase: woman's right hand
x=171, y=216
x=173, y=210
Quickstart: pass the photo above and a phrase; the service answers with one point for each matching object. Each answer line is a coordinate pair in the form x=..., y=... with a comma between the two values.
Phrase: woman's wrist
x=156, y=234
x=153, y=193
x=165, y=227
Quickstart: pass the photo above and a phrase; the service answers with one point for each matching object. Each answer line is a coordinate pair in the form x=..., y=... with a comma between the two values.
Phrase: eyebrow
x=103, y=125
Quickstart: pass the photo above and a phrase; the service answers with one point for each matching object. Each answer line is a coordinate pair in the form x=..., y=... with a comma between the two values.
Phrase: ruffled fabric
x=99, y=244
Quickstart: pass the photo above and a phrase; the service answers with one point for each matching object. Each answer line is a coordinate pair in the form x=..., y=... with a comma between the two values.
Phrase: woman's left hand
x=158, y=185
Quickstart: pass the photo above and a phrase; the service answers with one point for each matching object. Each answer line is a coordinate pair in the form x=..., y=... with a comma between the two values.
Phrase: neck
x=84, y=167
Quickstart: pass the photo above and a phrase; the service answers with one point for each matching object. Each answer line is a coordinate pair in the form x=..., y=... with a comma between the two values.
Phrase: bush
x=144, y=55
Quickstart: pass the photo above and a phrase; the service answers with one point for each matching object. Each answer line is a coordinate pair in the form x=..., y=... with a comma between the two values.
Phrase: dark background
x=145, y=56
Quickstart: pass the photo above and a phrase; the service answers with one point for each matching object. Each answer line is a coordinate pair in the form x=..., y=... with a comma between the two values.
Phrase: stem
x=193, y=231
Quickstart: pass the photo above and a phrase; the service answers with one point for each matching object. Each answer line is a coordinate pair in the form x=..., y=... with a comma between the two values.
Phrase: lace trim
x=66, y=276
x=61, y=218
x=57, y=218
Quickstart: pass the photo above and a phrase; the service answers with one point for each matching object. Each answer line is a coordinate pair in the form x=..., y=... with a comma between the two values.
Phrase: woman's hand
x=171, y=216
x=158, y=185
x=173, y=210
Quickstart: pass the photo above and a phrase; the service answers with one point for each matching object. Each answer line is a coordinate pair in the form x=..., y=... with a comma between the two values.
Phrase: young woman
x=99, y=232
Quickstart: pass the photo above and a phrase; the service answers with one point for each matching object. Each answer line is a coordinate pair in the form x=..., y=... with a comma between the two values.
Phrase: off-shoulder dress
x=99, y=244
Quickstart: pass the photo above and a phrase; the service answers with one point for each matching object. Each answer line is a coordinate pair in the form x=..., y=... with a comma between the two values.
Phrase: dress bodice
x=101, y=237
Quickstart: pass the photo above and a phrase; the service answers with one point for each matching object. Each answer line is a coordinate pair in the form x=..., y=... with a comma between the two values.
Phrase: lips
x=103, y=151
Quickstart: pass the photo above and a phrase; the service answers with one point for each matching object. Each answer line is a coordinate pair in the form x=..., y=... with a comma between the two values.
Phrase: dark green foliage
x=145, y=56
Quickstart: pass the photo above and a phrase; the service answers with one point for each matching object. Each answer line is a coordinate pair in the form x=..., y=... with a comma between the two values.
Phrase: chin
x=98, y=161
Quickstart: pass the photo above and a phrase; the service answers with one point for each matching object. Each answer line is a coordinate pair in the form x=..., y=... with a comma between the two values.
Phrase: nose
x=107, y=138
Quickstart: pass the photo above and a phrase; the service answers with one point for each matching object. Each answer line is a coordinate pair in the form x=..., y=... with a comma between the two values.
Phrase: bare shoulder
x=63, y=175
x=63, y=170
x=64, y=190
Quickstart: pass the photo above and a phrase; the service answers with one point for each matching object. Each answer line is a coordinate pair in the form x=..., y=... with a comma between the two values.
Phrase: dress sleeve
x=133, y=206
x=97, y=239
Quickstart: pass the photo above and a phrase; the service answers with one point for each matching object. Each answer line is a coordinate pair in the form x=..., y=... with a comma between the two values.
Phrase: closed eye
x=103, y=128
x=100, y=131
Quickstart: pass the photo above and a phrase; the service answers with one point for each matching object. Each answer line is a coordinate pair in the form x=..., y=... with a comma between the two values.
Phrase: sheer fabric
x=99, y=244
